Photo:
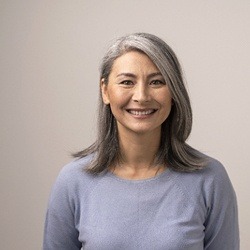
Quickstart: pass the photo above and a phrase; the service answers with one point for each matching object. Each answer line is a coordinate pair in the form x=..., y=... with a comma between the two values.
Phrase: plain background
x=49, y=57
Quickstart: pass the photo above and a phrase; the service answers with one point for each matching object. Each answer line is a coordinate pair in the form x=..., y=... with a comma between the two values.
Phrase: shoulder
x=73, y=179
x=217, y=184
x=213, y=169
x=214, y=174
x=75, y=169
x=211, y=182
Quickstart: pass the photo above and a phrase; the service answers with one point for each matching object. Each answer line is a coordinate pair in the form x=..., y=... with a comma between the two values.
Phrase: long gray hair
x=173, y=152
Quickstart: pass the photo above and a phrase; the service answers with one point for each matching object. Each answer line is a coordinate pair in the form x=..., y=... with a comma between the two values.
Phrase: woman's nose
x=141, y=93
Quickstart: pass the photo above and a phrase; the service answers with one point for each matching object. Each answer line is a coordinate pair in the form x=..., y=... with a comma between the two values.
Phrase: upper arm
x=60, y=231
x=221, y=226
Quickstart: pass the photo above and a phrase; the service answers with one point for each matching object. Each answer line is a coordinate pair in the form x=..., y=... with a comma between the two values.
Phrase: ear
x=104, y=90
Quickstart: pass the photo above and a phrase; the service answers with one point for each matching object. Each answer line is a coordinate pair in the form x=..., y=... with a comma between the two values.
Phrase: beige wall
x=49, y=56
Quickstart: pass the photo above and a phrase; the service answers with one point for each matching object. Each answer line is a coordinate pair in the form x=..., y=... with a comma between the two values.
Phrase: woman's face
x=139, y=98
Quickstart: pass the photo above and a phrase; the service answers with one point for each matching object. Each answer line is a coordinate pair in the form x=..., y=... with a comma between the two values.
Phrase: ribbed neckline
x=157, y=177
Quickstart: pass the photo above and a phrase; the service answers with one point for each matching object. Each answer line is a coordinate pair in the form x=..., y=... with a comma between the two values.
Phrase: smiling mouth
x=141, y=112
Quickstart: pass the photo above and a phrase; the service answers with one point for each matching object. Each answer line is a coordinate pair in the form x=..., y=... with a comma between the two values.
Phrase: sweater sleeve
x=221, y=225
x=60, y=231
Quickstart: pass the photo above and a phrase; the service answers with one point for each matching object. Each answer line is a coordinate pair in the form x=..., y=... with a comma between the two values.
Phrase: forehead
x=133, y=61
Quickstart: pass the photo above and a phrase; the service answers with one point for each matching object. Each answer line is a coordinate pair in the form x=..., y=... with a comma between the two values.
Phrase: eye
x=157, y=82
x=126, y=83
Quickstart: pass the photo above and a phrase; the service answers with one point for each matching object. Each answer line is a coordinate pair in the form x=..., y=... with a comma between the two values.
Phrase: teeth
x=146, y=112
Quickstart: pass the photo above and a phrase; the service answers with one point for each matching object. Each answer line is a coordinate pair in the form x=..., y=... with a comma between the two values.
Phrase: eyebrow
x=134, y=76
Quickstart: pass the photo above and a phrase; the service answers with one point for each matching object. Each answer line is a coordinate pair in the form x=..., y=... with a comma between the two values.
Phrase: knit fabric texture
x=172, y=211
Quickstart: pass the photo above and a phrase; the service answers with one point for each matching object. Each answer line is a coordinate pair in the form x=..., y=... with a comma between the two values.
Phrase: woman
x=140, y=186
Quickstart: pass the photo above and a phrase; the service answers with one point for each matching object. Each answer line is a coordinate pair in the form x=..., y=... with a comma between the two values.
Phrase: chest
x=141, y=217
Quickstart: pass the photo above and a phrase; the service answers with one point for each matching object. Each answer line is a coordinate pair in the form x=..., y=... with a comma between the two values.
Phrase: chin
x=145, y=131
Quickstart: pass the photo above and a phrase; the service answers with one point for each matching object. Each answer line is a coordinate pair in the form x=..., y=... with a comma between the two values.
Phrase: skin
x=140, y=101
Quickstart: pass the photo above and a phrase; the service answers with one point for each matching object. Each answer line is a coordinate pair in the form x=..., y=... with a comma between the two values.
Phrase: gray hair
x=173, y=152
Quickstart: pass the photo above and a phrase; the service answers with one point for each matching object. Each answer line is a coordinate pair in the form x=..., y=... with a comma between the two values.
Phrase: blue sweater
x=172, y=211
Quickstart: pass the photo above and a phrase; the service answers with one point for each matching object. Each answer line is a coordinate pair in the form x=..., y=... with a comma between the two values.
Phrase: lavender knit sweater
x=172, y=211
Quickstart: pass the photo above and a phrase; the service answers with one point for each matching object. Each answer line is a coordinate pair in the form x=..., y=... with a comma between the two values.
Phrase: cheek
x=118, y=98
x=166, y=104
x=165, y=100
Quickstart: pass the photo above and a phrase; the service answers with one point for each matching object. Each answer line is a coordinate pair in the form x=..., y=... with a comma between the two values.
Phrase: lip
x=141, y=113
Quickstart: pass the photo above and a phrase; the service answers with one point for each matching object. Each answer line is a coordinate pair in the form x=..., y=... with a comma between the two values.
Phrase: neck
x=138, y=151
x=137, y=155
